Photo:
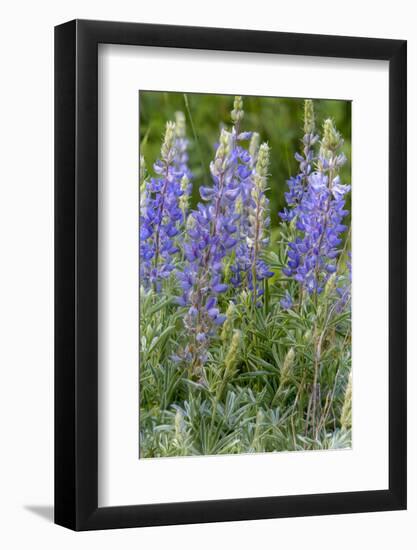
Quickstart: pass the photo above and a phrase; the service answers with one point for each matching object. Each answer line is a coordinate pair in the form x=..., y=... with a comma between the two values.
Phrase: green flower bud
x=228, y=324
x=285, y=374
x=309, y=120
x=232, y=354
x=224, y=145
x=190, y=223
x=346, y=418
x=330, y=285
x=179, y=424
x=184, y=199
x=168, y=142
x=230, y=362
x=287, y=366
x=254, y=146
x=262, y=165
x=332, y=140
x=237, y=113
x=180, y=124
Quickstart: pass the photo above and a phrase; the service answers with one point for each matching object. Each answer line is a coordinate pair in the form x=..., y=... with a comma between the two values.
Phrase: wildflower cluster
x=160, y=214
x=211, y=235
x=297, y=184
x=245, y=328
x=253, y=209
x=220, y=244
x=316, y=201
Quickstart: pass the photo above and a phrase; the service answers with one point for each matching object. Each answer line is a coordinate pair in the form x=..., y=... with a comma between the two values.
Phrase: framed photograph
x=230, y=253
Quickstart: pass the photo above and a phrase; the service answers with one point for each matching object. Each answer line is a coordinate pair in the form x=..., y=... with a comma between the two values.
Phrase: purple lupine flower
x=252, y=207
x=313, y=254
x=211, y=232
x=244, y=163
x=242, y=261
x=159, y=216
x=297, y=184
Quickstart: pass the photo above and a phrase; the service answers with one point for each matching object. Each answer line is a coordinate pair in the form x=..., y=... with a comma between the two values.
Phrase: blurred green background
x=279, y=121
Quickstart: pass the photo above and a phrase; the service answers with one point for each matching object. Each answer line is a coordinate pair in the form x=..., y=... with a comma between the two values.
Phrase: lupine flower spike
x=211, y=235
x=181, y=162
x=319, y=214
x=258, y=224
x=181, y=145
x=243, y=205
x=247, y=267
x=160, y=214
x=297, y=185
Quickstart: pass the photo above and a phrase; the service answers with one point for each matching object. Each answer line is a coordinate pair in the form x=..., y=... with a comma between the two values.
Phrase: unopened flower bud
x=330, y=284
x=184, y=199
x=307, y=335
x=168, y=143
x=262, y=163
x=287, y=365
x=346, y=418
x=309, y=120
x=237, y=113
x=261, y=171
x=180, y=124
x=228, y=324
x=332, y=140
x=254, y=147
x=232, y=354
x=179, y=424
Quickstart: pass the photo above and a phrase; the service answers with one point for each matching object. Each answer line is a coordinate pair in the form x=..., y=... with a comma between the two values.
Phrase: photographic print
x=245, y=274
x=203, y=264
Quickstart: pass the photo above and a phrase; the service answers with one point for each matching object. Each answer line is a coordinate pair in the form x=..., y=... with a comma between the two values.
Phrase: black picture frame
x=76, y=272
